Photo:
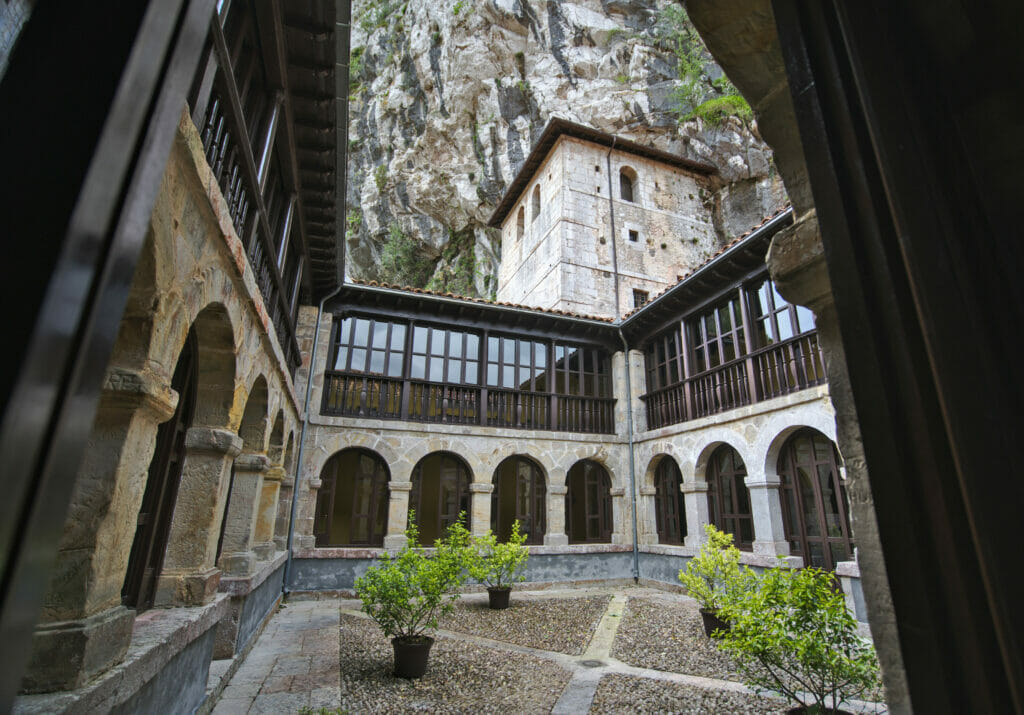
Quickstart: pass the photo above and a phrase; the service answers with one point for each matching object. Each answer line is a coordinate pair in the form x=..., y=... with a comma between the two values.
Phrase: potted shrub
x=714, y=576
x=498, y=565
x=409, y=592
x=792, y=634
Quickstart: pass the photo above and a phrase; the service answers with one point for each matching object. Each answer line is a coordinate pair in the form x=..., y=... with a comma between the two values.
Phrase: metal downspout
x=625, y=354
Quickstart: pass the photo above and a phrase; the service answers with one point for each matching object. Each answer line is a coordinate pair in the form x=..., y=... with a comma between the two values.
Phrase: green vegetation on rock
x=457, y=268
x=402, y=261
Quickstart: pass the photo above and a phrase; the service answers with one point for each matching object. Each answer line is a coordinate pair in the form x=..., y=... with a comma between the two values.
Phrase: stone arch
x=611, y=461
x=588, y=512
x=253, y=427
x=535, y=203
x=713, y=439
x=513, y=474
x=216, y=347
x=352, y=502
x=548, y=466
x=289, y=454
x=462, y=449
x=434, y=475
x=135, y=332
x=520, y=222
x=275, y=447
x=731, y=498
x=781, y=428
x=652, y=454
x=628, y=185
x=337, y=440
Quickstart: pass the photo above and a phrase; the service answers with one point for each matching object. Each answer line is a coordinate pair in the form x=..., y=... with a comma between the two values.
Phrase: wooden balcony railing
x=766, y=373
x=351, y=394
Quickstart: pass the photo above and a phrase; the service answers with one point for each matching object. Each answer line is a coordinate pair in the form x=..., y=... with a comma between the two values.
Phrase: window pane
x=492, y=374
x=436, y=341
x=454, y=370
x=785, y=325
x=508, y=377
x=764, y=332
x=455, y=345
x=395, y=365
x=804, y=319
x=762, y=299
x=418, y=368
x=377, y=361
x=419, y=340
x=699, y=364
x=728, y=349
x=397, y=337
x=540, y=355
x=339, y=360
x=710, y=329
x=362, y=332
x=359, y=359
x=472, y=346
x=508, y=350
x=713, y=357
x=436, y=370
x=346, y=331
x=380, y=335
x=724, y=320
x=471, y=375
x=492, y=349
x=524, y=378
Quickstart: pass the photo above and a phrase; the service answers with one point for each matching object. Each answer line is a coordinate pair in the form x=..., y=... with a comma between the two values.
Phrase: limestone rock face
x=449, y=96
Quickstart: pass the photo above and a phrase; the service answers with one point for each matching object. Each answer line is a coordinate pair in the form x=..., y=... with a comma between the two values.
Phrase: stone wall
x=564, y=259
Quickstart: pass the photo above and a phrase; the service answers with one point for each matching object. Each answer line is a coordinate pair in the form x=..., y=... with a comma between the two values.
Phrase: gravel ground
x=669, y=636
x=461, y=677
x=626, y=693
x=564, y=625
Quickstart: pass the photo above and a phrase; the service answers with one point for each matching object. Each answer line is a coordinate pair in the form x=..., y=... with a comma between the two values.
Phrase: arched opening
x=728, y=498
x=814, y=503
x=588, y=504
x=440, y=492
x=154, y=520
x=669, y=510
x=535, y=207
x=519, y=493
x=352, y=502
x=275, y=448
x=521, y=222
x=627, y=184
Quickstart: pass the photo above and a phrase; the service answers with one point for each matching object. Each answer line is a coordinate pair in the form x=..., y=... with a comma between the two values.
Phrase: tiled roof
x=469, y=299
x=736, y=241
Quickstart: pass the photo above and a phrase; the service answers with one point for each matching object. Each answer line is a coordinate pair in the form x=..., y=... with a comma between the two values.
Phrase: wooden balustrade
x=351, y=394
x=777, y=370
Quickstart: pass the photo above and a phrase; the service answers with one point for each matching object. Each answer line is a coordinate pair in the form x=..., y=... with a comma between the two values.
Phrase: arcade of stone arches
x=352, y=504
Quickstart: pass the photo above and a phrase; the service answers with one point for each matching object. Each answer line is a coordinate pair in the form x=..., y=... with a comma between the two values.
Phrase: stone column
x=766, y=507
x=189, y=576
x=398, y=514
x=83, y=629
x=266, y=515
x=284, y=512
x=480, y=507
x=305, y=514
x=695, y=500
x=238, y=558
x=556, y=535
x=647, y=526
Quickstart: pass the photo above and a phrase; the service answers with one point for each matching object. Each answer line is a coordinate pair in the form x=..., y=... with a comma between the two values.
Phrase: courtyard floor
x=554, y=651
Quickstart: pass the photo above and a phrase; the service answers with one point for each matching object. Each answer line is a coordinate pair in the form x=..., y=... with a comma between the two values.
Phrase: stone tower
x=586, y=205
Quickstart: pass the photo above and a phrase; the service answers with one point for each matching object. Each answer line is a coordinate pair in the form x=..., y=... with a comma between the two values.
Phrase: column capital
x=400, y=486
x=558, y=491
x=252, y=463
x=480, y=488
x=130, y=389
x=209, y=439
x=275, y=474
x=646, y=491
x=617, y=491
x=694, y=487
x=761, y=480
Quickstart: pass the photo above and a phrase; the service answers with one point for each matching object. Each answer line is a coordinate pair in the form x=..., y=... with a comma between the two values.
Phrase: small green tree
x=714, y=577
x=409, y=592
x=793, y=634
x=498, y=564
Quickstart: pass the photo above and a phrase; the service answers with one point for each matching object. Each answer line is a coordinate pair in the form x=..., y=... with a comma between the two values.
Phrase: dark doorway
x=154, y=522
x=440, y=492
x=588, y=504
x=352, y=503
x=519, y=494
x=669, y=511
x=814, y=503
x=728, y=498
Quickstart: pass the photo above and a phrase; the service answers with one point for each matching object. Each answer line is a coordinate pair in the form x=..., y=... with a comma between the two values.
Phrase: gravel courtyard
x=619, y=650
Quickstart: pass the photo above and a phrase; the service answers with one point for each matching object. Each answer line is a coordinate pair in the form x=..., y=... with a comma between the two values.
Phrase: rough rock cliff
x=448, y=96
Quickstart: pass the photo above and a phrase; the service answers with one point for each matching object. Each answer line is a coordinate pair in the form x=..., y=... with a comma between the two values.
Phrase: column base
x=67, y=654
x=395, y=541
x=556, y=540
x=281, y=543
x=238, y=563
x=771, y=548
x=265, y=550
x=306, y=542
x=194, y=588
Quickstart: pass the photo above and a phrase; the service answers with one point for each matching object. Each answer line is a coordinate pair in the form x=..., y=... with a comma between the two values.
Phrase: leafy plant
x=408, y=593
x=793, y=634
x=380, y=177
x=715, y=110
x=713, y=577
x=457, y=8
x=498, y=564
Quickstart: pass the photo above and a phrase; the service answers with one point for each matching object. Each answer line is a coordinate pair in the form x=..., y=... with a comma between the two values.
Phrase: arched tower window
x=440, y=491
x=728, y=498
x=535, y=207
x=519, y=494
x=627, y=184
x=814, y=504
x=669, y=512
x=352, y=503
x=521, y=222
x=588, y=504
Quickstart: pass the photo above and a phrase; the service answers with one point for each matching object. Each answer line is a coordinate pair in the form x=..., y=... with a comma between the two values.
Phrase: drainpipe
x=625, y=352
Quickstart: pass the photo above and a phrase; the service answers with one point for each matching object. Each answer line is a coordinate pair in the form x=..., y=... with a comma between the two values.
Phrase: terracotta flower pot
x=712, y=622
x=497, y=597
x=411, y=655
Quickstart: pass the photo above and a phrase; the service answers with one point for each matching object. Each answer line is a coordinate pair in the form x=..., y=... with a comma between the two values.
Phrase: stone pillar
x=266, y=514
x=284, y=512
x=766, y=507
x=480, y=507
x=646, y=526
x=305, y=514
x=622, y=518
x=189, y=576
x=637, y=381
x=398, y=514
x=83, y=629
x=695, y=500
x=556, y=535
x=238, y=558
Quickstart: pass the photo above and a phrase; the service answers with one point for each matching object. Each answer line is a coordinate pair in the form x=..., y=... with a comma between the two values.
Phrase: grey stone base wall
x=180, y=686
x=258, y=606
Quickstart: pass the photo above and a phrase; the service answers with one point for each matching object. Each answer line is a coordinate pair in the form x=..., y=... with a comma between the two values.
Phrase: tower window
x=521, y=222
x=627, y=182
x=535, y=203
x=634, y=236
x=640, y=297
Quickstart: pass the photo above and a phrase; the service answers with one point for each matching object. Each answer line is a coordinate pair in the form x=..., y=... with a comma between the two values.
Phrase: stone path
x=295, y=663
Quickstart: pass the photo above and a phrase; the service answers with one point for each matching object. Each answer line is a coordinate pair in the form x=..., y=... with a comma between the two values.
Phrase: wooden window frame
x=324, y=511
x=536, y=499
x=599, y=514
x=729, y=517
x=667, y=494
x=463, y=479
